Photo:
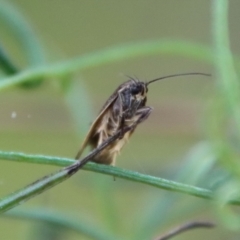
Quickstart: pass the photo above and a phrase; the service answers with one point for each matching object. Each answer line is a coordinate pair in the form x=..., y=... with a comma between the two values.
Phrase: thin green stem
x=110, y=55
x=55, y=178
x=224, y=62
x=15, y=23
x=185, y=227
x=229, y=88
x=115, y=171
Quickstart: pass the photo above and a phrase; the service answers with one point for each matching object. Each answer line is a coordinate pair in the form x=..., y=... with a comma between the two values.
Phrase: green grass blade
x=32, y=190
x=53, y=179
x=6, y=64
x=61, y=220
x=224, y=62
x=22, y=31
x=15, y=198
x=76, y=96
x=194, y=170
x=109, y=55
x=229, y=89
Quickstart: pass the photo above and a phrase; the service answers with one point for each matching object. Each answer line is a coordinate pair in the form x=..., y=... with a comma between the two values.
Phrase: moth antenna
x=177, y=75
x=131, y=78
x=136, y=78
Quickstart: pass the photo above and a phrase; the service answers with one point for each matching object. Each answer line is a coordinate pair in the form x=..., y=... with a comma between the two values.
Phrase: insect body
x=125, y=107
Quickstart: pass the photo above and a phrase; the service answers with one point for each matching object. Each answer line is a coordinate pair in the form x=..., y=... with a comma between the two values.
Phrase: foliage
x=218, y=149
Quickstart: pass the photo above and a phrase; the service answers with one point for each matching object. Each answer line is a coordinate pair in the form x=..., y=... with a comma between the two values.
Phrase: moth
x=125, y=107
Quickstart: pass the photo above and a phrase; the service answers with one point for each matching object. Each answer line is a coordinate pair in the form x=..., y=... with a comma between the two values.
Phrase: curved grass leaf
x=229, y=89
x=15, y=23
x=109, y=55
x=6, y=64
x=61, y=220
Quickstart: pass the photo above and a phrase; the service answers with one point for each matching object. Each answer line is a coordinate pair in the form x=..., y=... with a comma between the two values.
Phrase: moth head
x=138, y=89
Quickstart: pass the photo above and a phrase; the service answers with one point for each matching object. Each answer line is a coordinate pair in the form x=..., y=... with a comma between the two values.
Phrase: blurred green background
x=53, y=120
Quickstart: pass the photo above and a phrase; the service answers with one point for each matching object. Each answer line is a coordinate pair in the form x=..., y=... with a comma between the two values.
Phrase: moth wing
x=95, y=124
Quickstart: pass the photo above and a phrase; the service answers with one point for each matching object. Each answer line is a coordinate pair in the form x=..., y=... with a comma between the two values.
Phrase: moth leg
x=142, y=114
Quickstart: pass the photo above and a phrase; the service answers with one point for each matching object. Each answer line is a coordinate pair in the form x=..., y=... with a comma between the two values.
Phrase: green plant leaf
x=61, y=220
x=53, y=179
x=15, y=23
x=109, y=55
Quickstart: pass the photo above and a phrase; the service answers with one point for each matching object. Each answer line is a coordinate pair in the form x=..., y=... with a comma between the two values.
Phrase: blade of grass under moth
x=53, y=179
x=117, y=172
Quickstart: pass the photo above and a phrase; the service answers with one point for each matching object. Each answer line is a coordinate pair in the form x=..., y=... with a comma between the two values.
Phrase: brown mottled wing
x=95, y=124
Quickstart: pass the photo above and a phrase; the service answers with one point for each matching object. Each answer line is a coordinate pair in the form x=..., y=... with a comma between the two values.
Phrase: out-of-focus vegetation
x=191, y=139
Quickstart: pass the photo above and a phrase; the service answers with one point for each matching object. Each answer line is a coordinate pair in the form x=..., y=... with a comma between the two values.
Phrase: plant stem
x=53, y=179
x=116, y=172
x=110, y=55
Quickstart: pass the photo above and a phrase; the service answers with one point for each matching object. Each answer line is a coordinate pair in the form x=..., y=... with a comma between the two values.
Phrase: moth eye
x=136, y=89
